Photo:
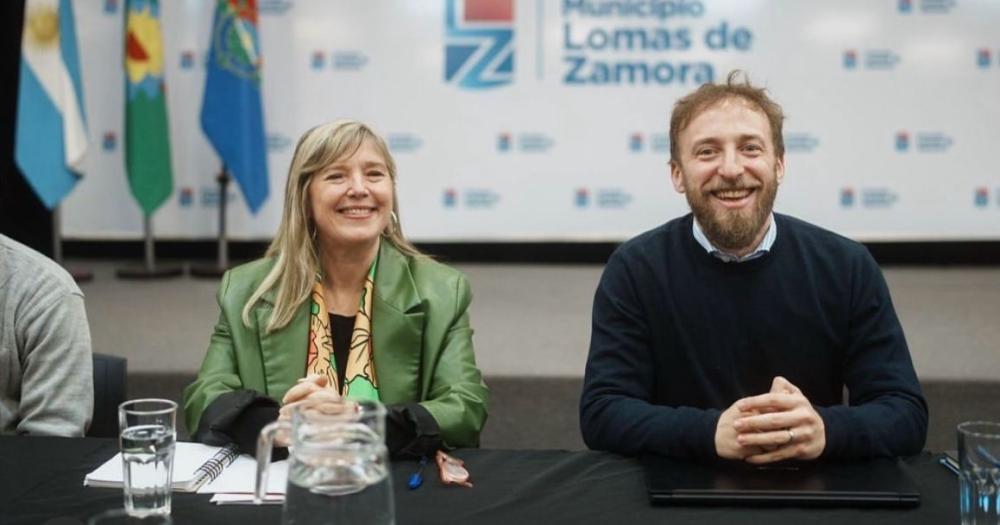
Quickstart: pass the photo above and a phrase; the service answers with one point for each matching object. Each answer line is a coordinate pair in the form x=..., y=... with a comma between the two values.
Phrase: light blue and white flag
x=51, y=125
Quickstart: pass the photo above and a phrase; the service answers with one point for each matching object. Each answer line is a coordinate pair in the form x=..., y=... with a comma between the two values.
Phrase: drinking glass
x=147, y=437
x=120, y=517
x=979, y=478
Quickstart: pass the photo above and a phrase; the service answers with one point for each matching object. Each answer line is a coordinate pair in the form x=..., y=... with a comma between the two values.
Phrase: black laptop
x=869, y=483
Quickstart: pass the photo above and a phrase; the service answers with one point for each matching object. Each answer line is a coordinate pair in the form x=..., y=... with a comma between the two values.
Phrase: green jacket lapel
x=397, y=328
x=284, y=351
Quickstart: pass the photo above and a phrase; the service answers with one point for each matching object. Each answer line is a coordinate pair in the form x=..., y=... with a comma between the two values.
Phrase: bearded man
x=737, y=333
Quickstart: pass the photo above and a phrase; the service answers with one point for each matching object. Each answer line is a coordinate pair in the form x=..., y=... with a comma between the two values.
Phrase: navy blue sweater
x=678, y=336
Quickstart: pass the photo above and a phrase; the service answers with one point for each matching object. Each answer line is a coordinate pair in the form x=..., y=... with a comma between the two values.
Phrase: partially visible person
x=342, y=305
x=46, y=368
x=733, y=332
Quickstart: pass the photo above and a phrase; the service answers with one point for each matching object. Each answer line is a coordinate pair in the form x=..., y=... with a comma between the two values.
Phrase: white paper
x=241, y=477
x=187, y=458
x=246, y=499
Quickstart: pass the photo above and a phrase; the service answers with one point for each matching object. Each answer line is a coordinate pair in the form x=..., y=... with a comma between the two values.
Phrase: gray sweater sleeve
x=57, y=393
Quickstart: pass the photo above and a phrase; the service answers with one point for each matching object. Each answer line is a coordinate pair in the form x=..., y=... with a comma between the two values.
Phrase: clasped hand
x=310, y=388
x=781, y=424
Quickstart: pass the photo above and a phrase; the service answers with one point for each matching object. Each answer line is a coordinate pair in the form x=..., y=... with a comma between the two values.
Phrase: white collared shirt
x=761, y=249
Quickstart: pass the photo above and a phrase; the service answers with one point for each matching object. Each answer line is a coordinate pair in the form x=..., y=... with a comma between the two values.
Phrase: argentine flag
x=51, y=125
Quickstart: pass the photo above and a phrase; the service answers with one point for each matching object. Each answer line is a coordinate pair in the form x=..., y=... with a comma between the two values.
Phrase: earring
x=393, y=221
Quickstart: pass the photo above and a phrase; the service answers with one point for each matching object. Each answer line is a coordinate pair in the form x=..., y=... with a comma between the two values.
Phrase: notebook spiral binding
x=214, y=466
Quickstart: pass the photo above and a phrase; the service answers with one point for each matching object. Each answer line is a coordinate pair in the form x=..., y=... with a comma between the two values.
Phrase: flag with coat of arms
x=147, y=142
x=51, y=130
x=231, y=113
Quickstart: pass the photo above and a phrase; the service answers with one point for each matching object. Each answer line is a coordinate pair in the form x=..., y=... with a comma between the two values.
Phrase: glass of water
x=147, y=443
x=979, y=481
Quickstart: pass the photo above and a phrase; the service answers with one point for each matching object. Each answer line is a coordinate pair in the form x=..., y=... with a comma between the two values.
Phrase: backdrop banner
x=546, y=120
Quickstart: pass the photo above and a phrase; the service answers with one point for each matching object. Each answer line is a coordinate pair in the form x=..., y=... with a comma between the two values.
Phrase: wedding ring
x=791, y=435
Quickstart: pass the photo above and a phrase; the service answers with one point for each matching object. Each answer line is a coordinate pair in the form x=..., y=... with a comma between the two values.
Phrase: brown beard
x=733, y=231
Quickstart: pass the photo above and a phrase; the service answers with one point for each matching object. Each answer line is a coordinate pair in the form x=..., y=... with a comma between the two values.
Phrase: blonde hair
x=294, y=247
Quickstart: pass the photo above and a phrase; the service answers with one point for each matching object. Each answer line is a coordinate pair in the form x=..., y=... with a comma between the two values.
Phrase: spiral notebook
x=194, y=465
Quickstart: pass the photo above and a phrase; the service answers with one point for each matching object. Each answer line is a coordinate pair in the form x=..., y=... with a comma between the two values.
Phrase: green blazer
x=421, y=337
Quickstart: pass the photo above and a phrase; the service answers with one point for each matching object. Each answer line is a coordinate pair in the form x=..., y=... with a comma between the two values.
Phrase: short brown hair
x=689, y=107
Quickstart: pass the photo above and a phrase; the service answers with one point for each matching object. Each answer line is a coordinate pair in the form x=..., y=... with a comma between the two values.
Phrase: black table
x=42, y=479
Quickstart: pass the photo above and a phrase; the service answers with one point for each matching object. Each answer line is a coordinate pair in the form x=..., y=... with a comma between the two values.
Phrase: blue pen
x=417, y=478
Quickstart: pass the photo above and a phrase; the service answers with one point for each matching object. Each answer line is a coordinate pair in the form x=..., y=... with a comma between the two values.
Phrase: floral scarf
x=359, y=379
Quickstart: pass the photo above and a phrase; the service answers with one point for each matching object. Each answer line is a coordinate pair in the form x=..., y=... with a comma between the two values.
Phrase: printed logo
x=925, y=142
x=635, y=142
x=534, y=142
x=878, y=198
x=982, y=197
x=479, y=48
x=317, y=60
x=209, y=196
x=503, y=142
x=109, y=141
x=933, y=142
x=881, y=59
x=403, y=142
x=278, y=142
x=983, y=58
x=187, y=59
x=659, y=142
x=905, y=6
x=938, y=6
x=615, y=198
x=850, y=59
x=110, y=7
x=481, y=198
x=871, y=59
x=800, y=142
x=902, y=141
x=274, y=7
x=846, y=197
x=450, y=198
x=186, y=197
x=349, y=60
x=604, y=198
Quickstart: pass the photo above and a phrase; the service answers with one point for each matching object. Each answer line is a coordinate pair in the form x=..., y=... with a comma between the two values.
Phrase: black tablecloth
x=42, y=479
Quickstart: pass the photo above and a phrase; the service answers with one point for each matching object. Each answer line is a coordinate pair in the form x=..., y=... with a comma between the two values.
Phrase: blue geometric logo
x=905, y=6
x=581, y=198
x=186, y=197
x=110, y=7
x=847, y=197
x=635, y=142
x=479, y=48
x=109, y=141
x=317, y=60
x=902, y=141
x=187, y=59
x=982, y=197
x=503, y=142
x=850, y=59
x=450, y=198
x=983, y=58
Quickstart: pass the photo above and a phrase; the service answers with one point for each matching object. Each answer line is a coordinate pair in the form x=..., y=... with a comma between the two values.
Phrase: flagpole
x=78, y=274
x=149, y=268
x=222, y=255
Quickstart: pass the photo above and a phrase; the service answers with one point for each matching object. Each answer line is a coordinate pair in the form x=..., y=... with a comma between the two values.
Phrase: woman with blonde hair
x=342, y=305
